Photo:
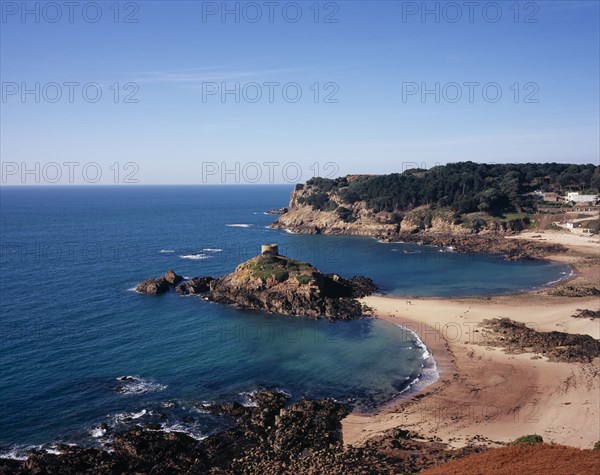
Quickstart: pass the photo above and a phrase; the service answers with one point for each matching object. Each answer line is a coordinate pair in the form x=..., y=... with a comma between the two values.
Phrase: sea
x=82, y=355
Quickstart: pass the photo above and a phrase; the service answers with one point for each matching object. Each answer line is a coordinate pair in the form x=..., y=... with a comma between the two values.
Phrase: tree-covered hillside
x=463, y=187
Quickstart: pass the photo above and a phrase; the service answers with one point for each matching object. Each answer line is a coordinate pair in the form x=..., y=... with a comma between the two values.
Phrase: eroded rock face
x=159, y=285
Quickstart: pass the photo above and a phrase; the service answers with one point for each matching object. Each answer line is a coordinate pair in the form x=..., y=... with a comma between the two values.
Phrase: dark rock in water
x=159, y=285
x=153, y=286
x=172, y=278
x=277, y=211
x=130, y=379
x=197, y=285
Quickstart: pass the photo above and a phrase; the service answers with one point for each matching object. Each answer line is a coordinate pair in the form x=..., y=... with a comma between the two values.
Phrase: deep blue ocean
x=70, y=324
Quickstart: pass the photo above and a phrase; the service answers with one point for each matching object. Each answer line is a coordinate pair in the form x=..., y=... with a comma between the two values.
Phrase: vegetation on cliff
x=464, y=187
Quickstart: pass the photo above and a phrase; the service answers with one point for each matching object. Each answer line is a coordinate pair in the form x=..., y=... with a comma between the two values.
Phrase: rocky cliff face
x=338, y=217
x=474, y=232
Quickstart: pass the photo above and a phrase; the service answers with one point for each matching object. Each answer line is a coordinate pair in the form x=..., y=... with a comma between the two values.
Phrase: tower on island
x=270, y=249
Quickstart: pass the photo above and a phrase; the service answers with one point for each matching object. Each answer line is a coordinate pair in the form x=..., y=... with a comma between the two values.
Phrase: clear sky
x=164, y=69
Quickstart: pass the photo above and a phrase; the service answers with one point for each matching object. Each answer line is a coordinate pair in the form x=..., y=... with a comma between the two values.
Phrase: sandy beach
x=484, y=394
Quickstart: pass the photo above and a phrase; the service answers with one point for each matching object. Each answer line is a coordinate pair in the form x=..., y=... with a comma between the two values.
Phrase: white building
x=577, y=198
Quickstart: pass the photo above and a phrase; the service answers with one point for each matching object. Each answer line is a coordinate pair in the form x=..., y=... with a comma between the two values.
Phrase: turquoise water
x=71, y=325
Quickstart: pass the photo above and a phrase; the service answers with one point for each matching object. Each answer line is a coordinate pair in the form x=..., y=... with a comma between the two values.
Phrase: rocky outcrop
x=574, y=291
x=586, y=313
x=277, y=211
x=557, y=346
x=195, y=286
x=278, y=284
x=159, y=285
x=511, y=249
x=268, y=437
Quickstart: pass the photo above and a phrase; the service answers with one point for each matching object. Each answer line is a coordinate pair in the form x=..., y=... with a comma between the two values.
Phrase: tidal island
x=275, y=284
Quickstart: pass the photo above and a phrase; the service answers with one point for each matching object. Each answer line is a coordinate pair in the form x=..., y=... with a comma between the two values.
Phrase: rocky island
x=275, y=284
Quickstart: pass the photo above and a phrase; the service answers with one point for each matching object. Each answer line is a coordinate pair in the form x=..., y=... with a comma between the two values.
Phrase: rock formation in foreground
x=268, y=437
x=276, y=284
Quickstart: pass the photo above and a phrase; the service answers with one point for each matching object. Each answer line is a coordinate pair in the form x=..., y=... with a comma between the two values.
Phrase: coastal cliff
x=471, y=212
x=326, y=207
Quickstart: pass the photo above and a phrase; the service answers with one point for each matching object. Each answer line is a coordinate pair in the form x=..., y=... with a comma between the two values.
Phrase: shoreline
x=483, y=393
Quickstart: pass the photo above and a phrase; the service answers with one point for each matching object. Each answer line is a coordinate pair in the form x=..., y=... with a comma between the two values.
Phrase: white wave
x=134, y=385
x=564, y=277
x=208, y=249
x=194, y=257
x=17, y=453
x=52, y=450
x=126, y=416
x=97, y=432
x=166, y=251
x=429, y=372
x=238, y=225
x=192, y=431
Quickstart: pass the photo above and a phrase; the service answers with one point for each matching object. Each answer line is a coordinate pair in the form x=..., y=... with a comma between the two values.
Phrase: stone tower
x=270, y=249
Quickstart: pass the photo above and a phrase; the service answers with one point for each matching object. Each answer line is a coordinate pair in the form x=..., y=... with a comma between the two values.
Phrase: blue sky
x=179, y=57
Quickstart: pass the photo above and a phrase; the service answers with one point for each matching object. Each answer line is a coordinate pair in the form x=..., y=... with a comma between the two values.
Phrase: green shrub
x=532, y=439
x=303, y=279
x=597, y=445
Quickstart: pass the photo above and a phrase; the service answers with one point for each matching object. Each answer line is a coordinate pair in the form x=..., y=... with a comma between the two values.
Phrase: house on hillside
x=577, y=198
x=547, y=196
